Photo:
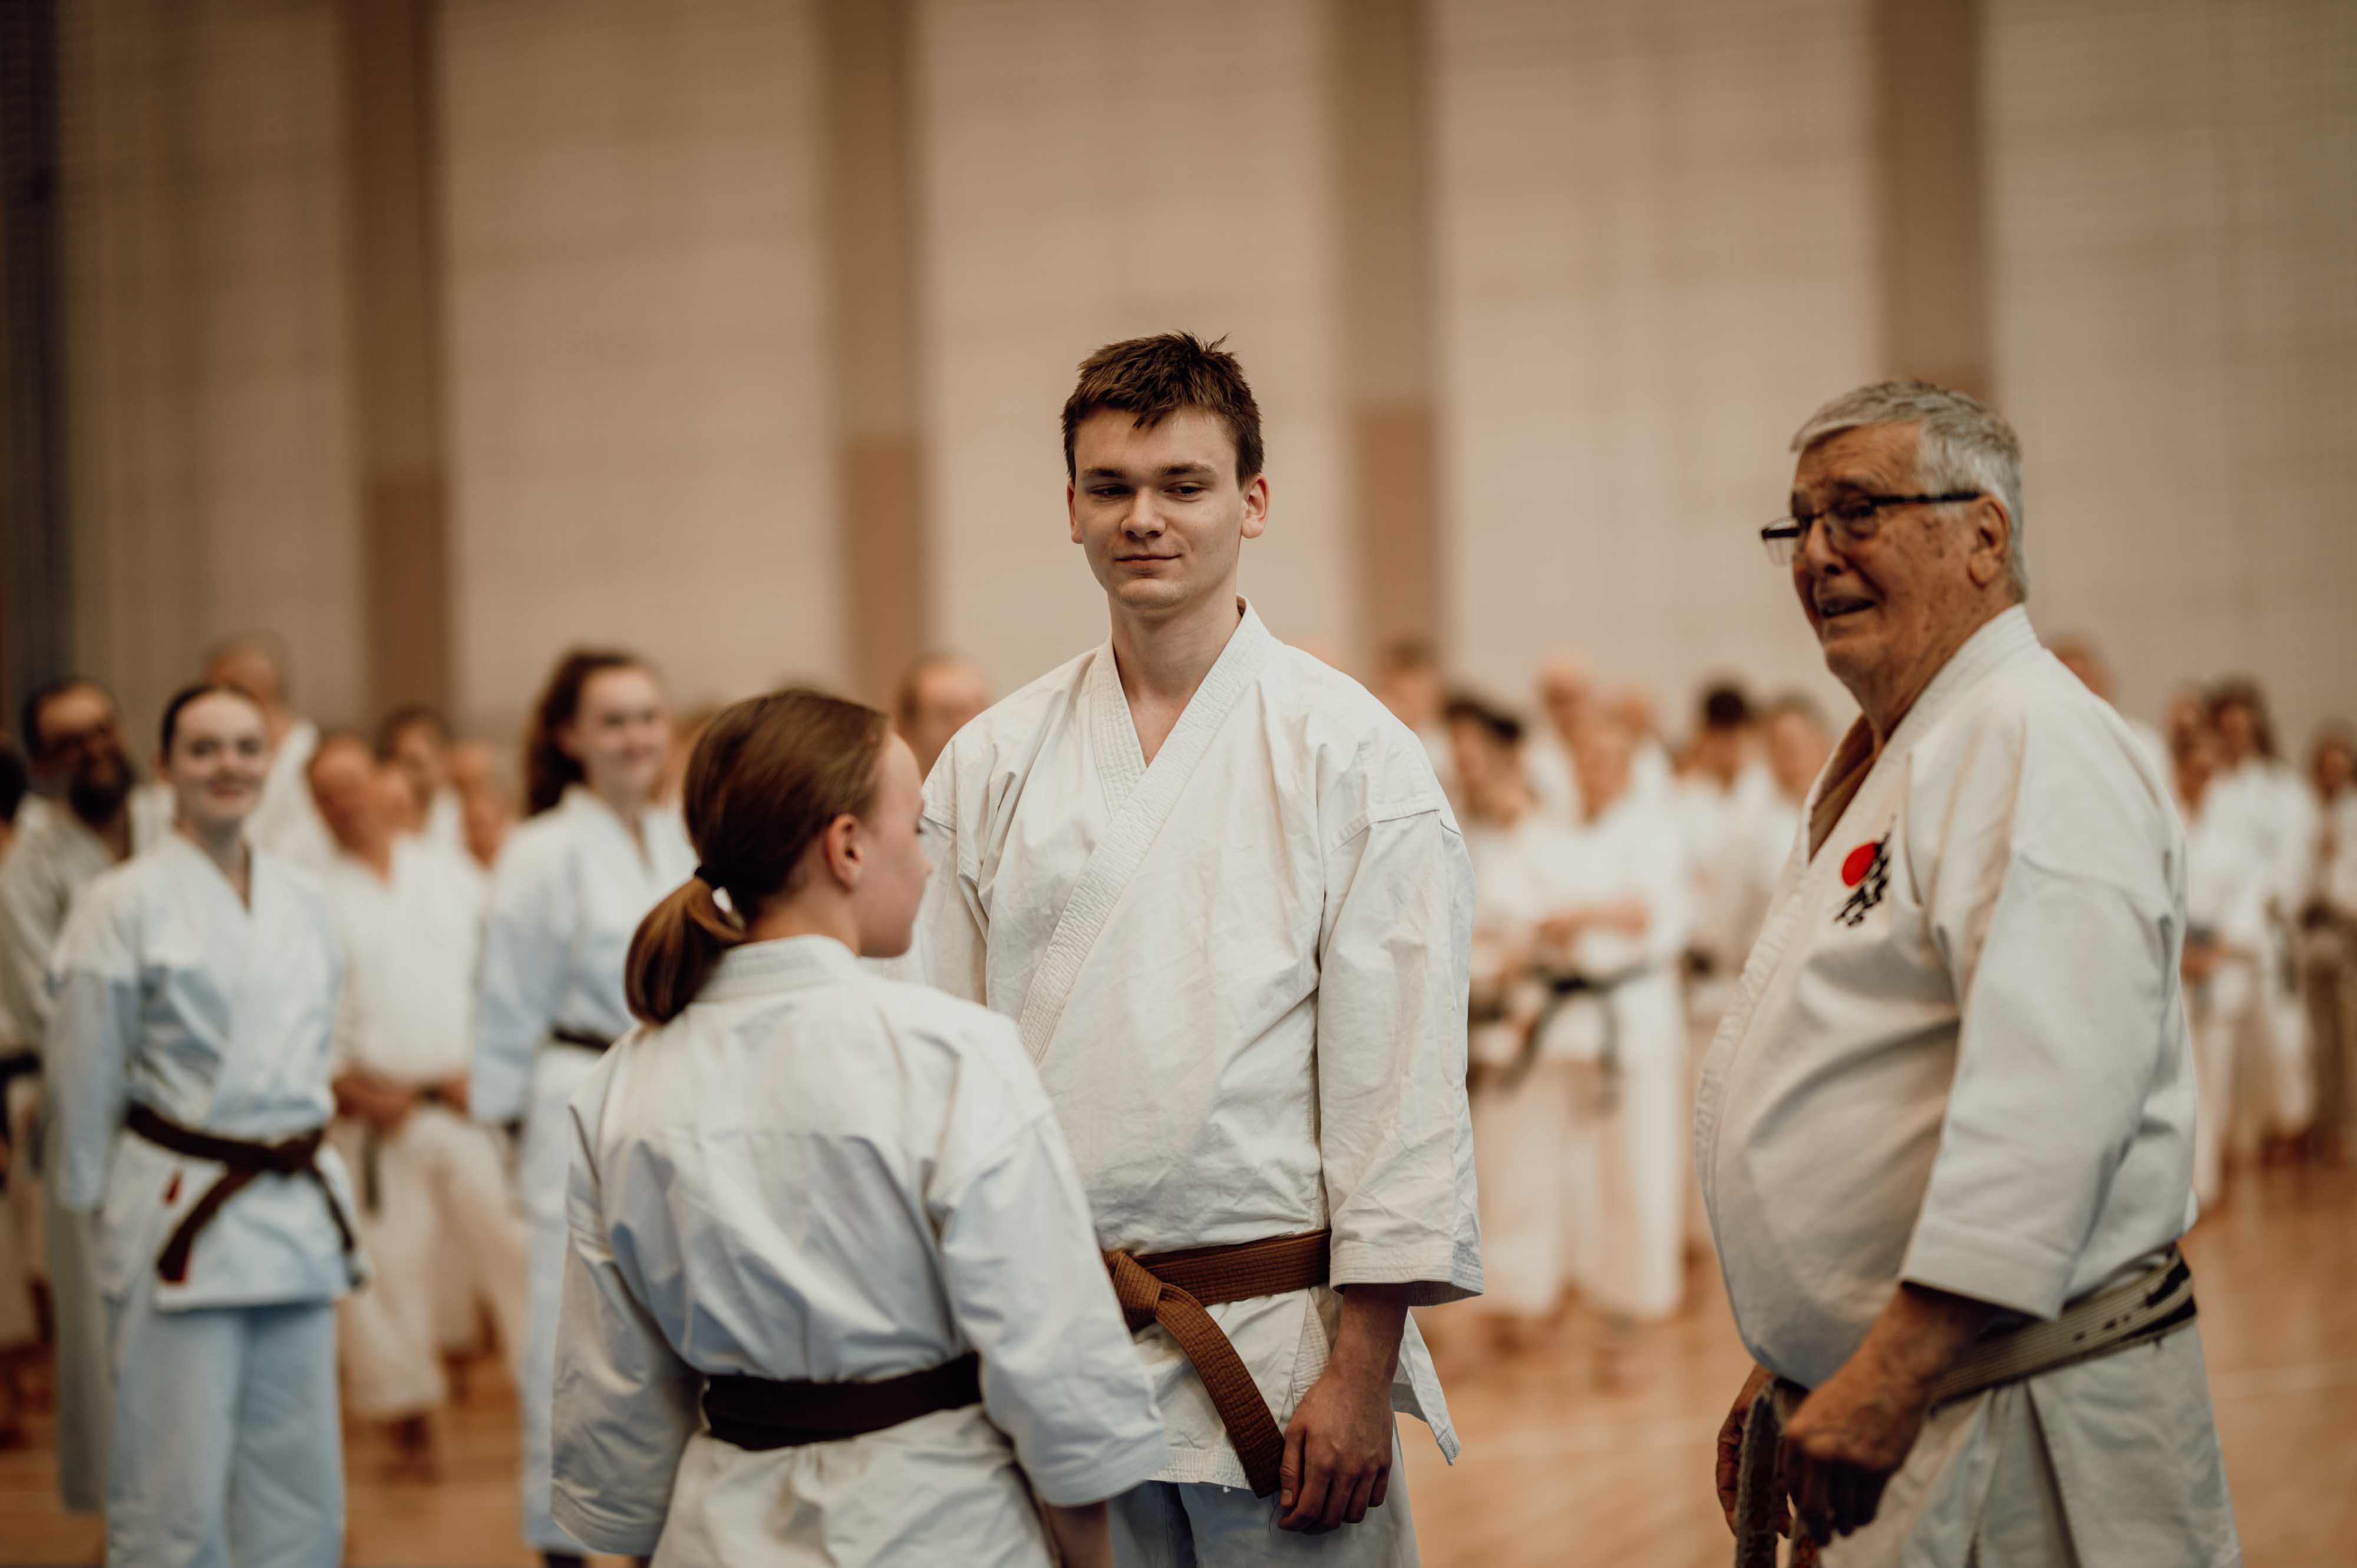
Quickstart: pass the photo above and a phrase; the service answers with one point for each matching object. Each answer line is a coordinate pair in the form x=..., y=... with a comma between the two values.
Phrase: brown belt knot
x=246, y=1160
x=1174, y=1288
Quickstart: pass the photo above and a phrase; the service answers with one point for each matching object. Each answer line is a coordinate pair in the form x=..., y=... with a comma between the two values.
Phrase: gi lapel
x=1139, y=811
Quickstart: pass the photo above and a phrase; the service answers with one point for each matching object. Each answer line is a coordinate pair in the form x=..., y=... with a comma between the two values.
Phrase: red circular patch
x=1859, y=862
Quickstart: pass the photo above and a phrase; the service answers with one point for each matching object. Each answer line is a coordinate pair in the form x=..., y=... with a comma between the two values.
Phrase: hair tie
x=706, y=877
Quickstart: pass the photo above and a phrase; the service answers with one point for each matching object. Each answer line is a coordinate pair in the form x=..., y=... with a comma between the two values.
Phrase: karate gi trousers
x=1169, y=1524
x=85, y=1379
x=443, y=1225
x=2217, y=1015
x=227, y=1447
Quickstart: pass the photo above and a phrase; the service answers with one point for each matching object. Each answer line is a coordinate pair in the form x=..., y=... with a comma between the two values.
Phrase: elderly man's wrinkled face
x=1910, y=592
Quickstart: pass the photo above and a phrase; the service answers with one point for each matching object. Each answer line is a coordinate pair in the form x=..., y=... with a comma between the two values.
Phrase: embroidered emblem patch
x=1865, y=872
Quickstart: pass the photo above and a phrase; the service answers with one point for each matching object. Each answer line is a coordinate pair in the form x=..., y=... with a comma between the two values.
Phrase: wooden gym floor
x=1565, y=1465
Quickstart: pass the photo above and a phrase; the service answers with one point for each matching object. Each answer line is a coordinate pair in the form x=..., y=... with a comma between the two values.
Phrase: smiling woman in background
x=570, y=888
x=196, y=991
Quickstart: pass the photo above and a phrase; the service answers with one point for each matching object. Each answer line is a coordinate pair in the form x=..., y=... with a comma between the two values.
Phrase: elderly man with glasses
x=1945, y=1131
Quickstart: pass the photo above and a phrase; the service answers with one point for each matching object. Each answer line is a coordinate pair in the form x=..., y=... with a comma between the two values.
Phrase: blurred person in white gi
x=415, y=740
x=486, y=801
x=1219, y=886
x=432, y=1183
x=1652, y=770
x=2080, y=656
x=571, y=885
x=286, y=824
x=2328, y=922
x=1954, y=1097
x=2225, y=941
x=1622, y=922
x=1723, y=784
x=20, y=1233
x=1567, y=694
x=937, y=695
x=1408, y=683
x=195, y=1010
x=1522, y=1091
x=99, y=818
x=1797, y=743
x=2281, y=822
x=833, y=1210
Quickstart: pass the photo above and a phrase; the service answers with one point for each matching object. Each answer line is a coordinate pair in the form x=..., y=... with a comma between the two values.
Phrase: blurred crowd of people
x=1622, y=866
x=1622, y=871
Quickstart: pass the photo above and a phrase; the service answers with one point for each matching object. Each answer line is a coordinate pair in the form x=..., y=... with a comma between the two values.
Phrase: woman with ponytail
x=567, y=891
x=833, y=1291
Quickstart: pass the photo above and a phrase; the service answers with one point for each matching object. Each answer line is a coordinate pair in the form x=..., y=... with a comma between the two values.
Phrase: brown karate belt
x=246, y=1160
x=1173, y=1288
x=762, y=1413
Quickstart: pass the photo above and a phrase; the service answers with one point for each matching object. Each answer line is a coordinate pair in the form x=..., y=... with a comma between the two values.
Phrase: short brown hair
x=1152, y=378
x=767, y=777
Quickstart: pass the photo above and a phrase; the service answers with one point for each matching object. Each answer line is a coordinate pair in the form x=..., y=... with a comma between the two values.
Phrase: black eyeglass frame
x=1782, y=537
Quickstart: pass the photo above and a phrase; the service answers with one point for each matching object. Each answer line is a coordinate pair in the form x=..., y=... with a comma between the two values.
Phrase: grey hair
x=1960, y=445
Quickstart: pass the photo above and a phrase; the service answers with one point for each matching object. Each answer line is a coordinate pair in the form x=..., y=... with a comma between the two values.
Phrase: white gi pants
x=443, y=1214
x=2219, y=1007
x=1519, y=1135
x=85, y=1377
x=227, y=1446
x=558, y=1071
x=2285, y=1097
x=1167, y=1524
x=1625, y=1172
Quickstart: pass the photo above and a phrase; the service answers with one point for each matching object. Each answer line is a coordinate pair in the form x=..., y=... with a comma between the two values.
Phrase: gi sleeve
x=1394, y=1130
x=1667, y=877
x=28, y=930
x=519, y=983
x=950, y=948
x=2046, y=888
x=624, y=1404
x=1028, y=1290
x=93, y=1031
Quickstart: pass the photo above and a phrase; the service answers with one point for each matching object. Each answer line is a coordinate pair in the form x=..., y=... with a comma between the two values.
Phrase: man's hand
x=1731, y=1452
x=453, y=1092
x=1338, y=1447
x=1851, y=1435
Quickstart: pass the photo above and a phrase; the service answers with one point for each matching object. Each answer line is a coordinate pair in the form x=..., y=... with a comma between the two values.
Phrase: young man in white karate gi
x=434, y=1200
x=1954, y=1100
x=1220, y=889
x=76, y=738
x=286, y=824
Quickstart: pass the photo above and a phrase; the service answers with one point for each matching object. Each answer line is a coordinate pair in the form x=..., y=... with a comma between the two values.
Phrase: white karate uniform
x=46, y=872
x=1960, y=1059
x=217, y=1014
x=816, y=1174
x=1624, y=1156
x=435, y=1195
x=2226, y=895
x=2279, y=816
x=1241, y=971
x=1546, y=764
x=286, y=820
x=1520, y=1130
x=567, y=894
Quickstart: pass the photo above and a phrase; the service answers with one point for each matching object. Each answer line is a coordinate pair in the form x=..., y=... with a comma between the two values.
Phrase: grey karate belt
x=2142, y=1309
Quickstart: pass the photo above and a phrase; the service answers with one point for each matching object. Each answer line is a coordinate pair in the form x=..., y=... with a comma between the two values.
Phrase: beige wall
x=640, y=448
x=208, y=458
x=1660, y=234
x=2173, y=206
x=1657, y=237
x=1067, y=198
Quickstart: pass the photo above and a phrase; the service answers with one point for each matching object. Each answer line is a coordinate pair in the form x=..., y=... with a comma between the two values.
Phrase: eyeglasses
x=1853, y=519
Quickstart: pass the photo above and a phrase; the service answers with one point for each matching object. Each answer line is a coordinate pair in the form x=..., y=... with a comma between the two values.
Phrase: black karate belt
x=586, y=1039
x=1562, y=987
x=246, y=1160
x=762, y=1413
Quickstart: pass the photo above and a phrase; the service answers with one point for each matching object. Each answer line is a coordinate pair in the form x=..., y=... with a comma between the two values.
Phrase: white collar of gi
x=2003, y=639
x=581, y=801
x=754, y=968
